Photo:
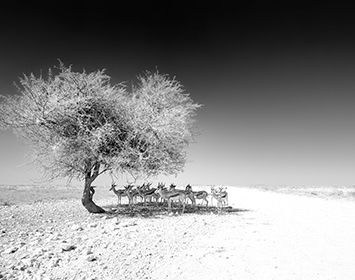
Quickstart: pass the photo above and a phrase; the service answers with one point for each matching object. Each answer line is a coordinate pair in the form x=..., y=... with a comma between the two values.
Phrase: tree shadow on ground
x=152, y=211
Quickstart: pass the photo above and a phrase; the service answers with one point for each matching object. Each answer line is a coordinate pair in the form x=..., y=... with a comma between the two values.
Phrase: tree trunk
x=86, y=199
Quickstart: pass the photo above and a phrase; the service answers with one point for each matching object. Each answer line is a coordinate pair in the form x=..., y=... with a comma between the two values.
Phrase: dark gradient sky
x=277, y=85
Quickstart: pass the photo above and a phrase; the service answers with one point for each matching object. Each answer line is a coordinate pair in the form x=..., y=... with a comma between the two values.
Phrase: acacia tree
x=80, y=126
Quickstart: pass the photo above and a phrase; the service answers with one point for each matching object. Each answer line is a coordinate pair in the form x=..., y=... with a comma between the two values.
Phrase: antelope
x=120, y=193
x=197, y=195
x=220, y=195
x=172, y=187
x=146, y=192
x=162, y=186
x=186, y=192
x=134, y=194
x=172, y=196
x=130, y=194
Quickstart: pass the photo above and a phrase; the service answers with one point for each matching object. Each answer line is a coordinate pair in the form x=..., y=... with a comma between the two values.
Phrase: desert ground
x=47, y=234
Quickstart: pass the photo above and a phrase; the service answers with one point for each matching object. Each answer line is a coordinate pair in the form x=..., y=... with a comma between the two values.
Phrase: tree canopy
x=79, y=125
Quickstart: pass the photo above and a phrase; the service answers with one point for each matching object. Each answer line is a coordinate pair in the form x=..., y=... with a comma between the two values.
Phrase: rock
x=68, y=247
x=115, y=221
x=76, y=227
x=92, y=225
x=91, y=258
x=10, y=250
x=48, y=239
x=27, y=262
x=56, y=236
x=38, y=251
x=49, y=230
x=54, y=262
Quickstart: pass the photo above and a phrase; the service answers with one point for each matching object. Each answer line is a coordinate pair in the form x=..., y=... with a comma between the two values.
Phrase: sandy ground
x=290, y=237
x=269, y=236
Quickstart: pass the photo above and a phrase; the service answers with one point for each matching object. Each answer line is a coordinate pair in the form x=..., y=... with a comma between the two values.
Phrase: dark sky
x=277, y=83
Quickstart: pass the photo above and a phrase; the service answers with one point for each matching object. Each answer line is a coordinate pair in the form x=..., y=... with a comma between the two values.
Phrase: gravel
x=61, y=240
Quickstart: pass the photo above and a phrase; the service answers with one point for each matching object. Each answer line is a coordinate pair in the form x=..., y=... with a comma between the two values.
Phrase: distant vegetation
x=331, y=192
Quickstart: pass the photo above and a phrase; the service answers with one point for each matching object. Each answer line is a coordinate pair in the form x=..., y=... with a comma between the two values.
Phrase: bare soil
x=262, y=235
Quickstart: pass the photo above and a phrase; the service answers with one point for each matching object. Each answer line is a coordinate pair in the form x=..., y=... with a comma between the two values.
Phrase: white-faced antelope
x=120, y=193
x=187, y=193
x=147, y=193
x=197, y=195
x=134, y=193
x=171, y=196
x=220, y=195
x=130, y=194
